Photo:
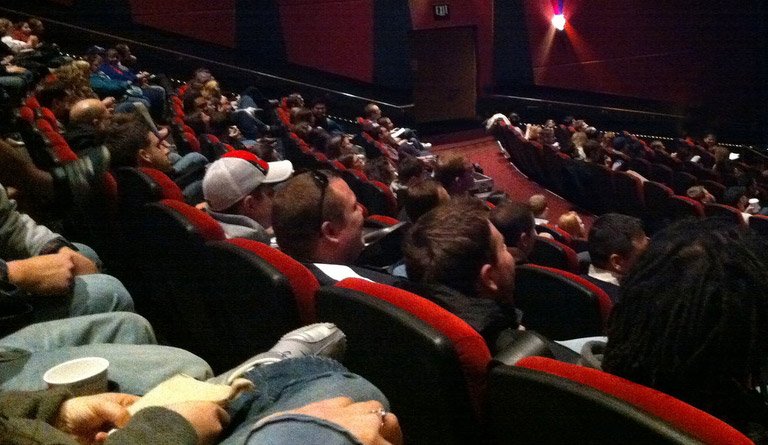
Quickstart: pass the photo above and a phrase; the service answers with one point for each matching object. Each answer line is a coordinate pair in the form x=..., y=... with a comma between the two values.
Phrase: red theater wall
x=208, y=21
x=334, y=36
x=668, y=51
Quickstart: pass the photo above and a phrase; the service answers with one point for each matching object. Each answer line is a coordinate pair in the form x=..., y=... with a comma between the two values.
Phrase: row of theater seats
x=187, y=140
x=225, y=299
x=657, y=201
x=42, y=136
x=376, y=197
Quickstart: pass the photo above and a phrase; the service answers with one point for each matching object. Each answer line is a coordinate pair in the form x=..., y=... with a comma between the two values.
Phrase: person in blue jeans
x=301, y=395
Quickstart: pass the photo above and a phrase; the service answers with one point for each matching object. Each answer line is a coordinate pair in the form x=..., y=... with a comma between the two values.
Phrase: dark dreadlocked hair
x=692, y=320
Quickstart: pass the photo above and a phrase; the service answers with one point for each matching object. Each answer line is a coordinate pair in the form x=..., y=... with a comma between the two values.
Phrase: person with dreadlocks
x=692, y=322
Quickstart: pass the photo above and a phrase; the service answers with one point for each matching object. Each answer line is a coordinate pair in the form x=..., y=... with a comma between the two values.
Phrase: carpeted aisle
x=485, y=152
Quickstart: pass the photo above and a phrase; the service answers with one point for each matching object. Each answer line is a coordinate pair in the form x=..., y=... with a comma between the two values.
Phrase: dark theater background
x=670, y=66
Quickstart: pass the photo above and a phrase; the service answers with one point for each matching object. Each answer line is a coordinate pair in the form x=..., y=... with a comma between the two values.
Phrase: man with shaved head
x=87, y=120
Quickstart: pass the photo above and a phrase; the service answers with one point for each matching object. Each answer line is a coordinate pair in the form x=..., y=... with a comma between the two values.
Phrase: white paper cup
x=82, y=376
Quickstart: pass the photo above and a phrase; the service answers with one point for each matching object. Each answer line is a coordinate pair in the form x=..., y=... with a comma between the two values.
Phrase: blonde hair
x=571, y=223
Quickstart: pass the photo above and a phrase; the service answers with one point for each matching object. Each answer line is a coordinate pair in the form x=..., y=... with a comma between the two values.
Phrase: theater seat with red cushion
x=552, y=253
x=545, y=401
x=431, y=365
x=170, y=248
x=256, y=294
x=558, y=304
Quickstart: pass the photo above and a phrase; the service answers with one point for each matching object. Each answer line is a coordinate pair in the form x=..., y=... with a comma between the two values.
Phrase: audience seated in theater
x=723, y=165
x=320, y=112
x=709, y=141
x=380, y=169
x=458, y=259
x=88, y=120
x=133, y=144
x=111, y=67
x=239, y=188
x=515, y=222
x=410, y=170
x=418, y=199
x=422, y=197
x=532, y=132
x=303, y=396
x=690, y=322
x=57, y=97
x=318, y=221
x=571, y=223
x=17, y=46
x=339, y=145
x=578, y=139
x=701, y=194
x=294, y=100
x=456, y=174
x=41, y=269
x=126, y=59
x=737, y=198
x=23, y=32
x=547, y=138
x=540, y=208
x=372, y=112
x=122, y=90
x=615, y=243
x=352, y=161
x=402, y=138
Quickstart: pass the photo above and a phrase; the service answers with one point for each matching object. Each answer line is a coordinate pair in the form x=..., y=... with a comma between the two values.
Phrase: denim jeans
x=290, y=384
x=137, y=363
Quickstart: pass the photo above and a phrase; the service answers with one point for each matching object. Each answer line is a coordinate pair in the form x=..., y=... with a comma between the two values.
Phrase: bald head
x=88, y=111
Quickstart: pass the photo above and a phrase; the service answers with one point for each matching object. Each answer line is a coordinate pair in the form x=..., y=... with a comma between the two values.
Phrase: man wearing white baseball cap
x=238, y=190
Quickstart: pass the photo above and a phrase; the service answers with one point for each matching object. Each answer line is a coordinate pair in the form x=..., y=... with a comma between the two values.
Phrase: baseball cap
x=236, y=174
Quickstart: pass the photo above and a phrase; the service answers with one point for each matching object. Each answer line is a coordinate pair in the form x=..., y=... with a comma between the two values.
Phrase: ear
x=617, y=263
x=144, y=155
x=488, y=279
x=248, y=201
x=329, y=231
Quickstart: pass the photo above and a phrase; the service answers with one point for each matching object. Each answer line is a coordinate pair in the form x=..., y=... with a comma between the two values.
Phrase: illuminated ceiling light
x=558, y=21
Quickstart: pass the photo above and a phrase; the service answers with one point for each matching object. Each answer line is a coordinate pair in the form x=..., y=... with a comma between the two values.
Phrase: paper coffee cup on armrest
x=82, y=376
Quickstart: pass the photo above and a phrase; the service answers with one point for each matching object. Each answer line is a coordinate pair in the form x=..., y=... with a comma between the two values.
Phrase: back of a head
x=512, y=219
x=693, y=317
x=449, y=245
x=733, y=195
x=124, y=138
x=300, y=206
x=696, y=192
x=455, y=174
x=538, y=204
x=409, y=168
x=422, y=197
x=86, y=111
x=612, y=233
x=570, y=223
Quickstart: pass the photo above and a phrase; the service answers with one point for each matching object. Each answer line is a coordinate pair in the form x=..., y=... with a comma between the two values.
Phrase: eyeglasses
x=321, y=180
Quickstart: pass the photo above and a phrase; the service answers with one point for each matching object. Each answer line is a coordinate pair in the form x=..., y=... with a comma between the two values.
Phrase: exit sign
x=442, y=12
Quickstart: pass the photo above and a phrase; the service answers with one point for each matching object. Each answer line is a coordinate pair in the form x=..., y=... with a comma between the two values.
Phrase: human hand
x=109, y=102
x=83, y=265
x=43, y=275
x=207, y=418
x=13, y=69
x=89, y=418
x=363, y=419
